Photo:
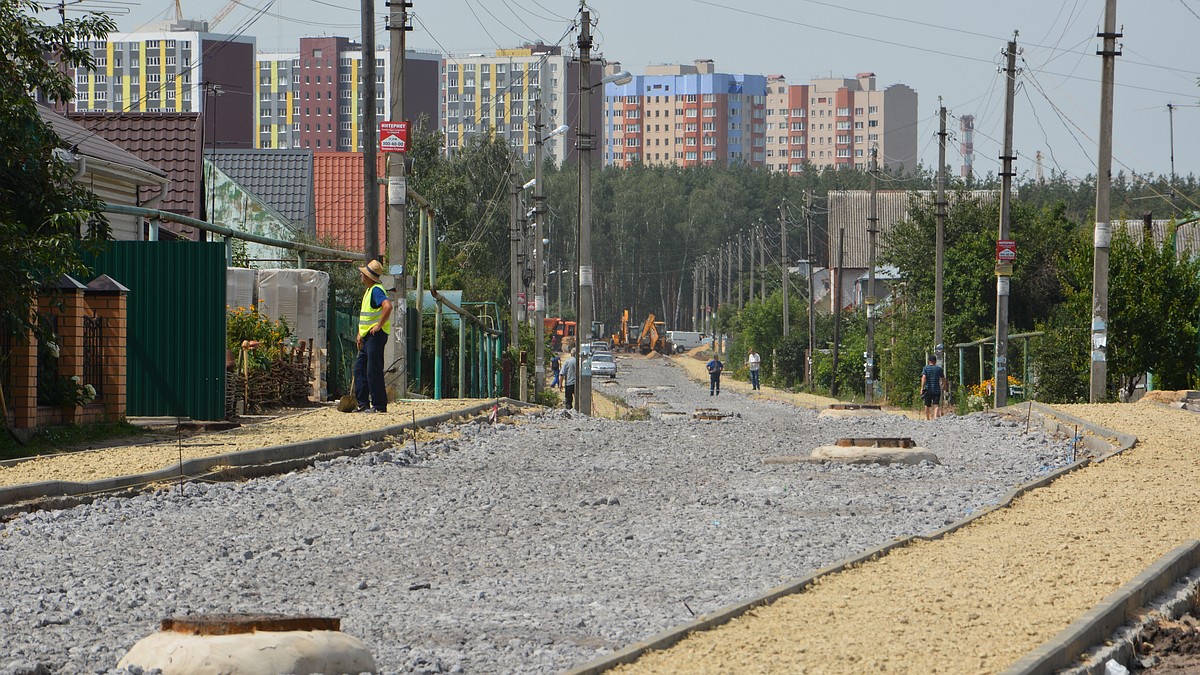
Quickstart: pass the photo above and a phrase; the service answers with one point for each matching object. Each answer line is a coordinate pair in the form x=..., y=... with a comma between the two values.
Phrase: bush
x=247, y=324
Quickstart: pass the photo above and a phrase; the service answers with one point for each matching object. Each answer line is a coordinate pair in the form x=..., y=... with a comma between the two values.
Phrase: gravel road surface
x=526, y=547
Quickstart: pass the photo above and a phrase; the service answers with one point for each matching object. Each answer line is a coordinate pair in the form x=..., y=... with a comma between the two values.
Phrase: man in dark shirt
x=933, y=382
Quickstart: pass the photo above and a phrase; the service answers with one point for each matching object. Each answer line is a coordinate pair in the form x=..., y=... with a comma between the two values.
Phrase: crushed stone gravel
x=516, y=547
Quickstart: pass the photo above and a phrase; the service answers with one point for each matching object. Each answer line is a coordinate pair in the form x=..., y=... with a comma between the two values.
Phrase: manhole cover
x=232, y=624
x=854, y=406
x=876, y=442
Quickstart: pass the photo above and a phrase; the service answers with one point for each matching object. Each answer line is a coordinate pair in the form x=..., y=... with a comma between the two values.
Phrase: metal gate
x=175, y=327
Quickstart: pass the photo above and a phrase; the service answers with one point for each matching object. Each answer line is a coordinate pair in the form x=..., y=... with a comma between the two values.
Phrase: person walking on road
x=754, y=361
x=714, y=367
x=933, y=383
x=555, y=364
x=374, y=326
x=569, y=372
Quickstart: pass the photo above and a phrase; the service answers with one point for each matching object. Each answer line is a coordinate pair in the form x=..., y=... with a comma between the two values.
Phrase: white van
x=683, y=340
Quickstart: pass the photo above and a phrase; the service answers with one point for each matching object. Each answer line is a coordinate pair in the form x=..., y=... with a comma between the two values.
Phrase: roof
x=338, y=196
x=169, y=141
x=849, y=210
x=89, y=144
x=1187, y=236
x=282, y=179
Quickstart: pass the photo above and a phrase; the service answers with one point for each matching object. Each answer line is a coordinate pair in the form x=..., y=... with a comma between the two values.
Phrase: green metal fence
x=176, y=325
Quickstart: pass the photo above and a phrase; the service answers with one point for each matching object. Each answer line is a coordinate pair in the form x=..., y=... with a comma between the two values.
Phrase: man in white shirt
x=754, y=361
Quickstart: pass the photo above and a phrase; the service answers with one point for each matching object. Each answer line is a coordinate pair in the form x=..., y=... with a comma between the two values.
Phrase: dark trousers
x=368, y=372
x=714, y=383
x=754, y=379
x=569, y=395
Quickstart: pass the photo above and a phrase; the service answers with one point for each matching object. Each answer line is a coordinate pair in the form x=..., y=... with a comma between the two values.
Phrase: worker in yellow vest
x=374, y=326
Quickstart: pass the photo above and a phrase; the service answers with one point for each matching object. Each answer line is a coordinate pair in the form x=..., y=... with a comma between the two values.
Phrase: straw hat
x=372, y=271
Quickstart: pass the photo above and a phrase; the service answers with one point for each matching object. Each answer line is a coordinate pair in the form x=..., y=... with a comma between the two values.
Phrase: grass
x=65, y=438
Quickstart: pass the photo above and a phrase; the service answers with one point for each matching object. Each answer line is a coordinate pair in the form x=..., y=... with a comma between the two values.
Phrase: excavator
x=620, y=339
x=652, y=339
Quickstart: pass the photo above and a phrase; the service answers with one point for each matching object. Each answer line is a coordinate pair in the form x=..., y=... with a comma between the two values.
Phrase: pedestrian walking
x=933, y=383
x=555, y=364
x=754, y=361
x=374, y=326
x=714, y=367
x=569, y=373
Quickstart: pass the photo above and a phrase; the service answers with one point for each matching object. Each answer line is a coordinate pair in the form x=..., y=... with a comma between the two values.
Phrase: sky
x=940, y=48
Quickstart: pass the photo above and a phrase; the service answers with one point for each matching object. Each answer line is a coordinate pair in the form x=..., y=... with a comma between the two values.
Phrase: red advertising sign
x=1006, y=250
x=393, y=136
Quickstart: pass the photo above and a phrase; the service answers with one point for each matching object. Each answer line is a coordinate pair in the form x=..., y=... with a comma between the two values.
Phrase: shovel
x=348, y=402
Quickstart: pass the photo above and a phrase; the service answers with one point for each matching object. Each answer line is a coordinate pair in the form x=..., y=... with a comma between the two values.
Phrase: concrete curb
x=671, y=636
x=293, y=455
x=1098, y=624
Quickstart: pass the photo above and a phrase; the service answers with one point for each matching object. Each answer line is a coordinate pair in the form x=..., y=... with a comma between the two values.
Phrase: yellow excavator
x=652, y=339
x=620, y=339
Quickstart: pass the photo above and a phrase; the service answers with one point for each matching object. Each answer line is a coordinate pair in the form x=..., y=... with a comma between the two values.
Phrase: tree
x=44, y=213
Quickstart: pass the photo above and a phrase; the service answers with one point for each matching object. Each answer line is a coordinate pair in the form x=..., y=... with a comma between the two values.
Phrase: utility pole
x=812, y=322
x=583, y=391
x=741, y=270
x=1171, y=132
x=729, y=272
x=783, y=265
x=1103, y=233
x=720, y=277
x=370, y=127
x=706, y=321
x=1004, y=270
x=753, y=235
x=539, y=243
x=514, y=267
x=837, y=311
x=695, y=296
x=940, y=216
x=869, y=301
x=396, y=350
x=762, y=258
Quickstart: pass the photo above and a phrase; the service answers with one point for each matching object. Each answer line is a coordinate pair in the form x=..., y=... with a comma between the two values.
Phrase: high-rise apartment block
x=685, y=115
x=313, y=98
x=180, y=67
x=500, y=94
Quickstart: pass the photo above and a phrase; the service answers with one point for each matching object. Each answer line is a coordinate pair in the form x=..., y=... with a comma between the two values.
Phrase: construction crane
x=217, y=18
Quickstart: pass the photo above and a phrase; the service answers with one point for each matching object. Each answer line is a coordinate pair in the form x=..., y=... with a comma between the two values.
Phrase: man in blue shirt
x=374, y=325
x=933, y=382
x=714, y=367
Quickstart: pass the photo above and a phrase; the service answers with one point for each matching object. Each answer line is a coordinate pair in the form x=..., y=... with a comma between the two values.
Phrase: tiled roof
x=89, y=144
x=283, y=179
x=170, y=141
x=338, y=192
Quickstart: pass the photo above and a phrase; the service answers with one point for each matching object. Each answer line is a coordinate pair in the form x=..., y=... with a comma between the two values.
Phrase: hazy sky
x=938, y=47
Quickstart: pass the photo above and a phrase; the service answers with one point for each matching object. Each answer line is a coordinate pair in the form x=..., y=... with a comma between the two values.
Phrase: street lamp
x=583, y=389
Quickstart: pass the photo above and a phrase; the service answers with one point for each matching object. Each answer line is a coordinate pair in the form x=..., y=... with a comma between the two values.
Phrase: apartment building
x=500, y=94
x=834, y=123
x=685, y=115
x=313, y=98
x=178, y=68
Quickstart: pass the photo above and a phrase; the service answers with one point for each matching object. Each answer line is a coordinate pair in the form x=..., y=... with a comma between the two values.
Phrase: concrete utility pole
x=741, y=256
x=706, y=321
x=783, y=265
x=940, y=215
x=583, y=391
x=869, y=301
x=753, y=236
x=812, y=321
x=729, y=272
x=695, y=296
x=1103, y=232
x=837, y=311
x=1003, y=271
x=539, y=243
x=370, y=145
x=720, y=277
x=396, y=353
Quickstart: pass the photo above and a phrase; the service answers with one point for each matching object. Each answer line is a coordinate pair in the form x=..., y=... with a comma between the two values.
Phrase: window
x=101, y=61
x=710, y=141
x=295, y=111
x=797, y=154
x=691, y=112
x=797, y=140
x=266, y=112
x=843, y=138
x=170, y=60
x=873, y=123
x=691, y=141
x=118, y=96
x=843, y=125
x=101, y=95
x=688, y=98
x=344, y=77
x=152, y=95
x=842, y=112
x=858, y=125
x=691, y=156
x=152, y=44
x=344, y=93
x=152, y=78
x=709, y=98
x=344, y=110
x=873, y=110
x=632, y=142
x=170, y=94
x=343, y=142
x=872, y=137
x=858, y=153
x=710, y=112
x=843, y=152
x=710, y=156
x=710, y=126
x=317, y=55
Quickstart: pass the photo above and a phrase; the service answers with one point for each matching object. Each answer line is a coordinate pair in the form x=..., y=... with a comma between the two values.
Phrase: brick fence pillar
x=23, y=367
x=107, y=299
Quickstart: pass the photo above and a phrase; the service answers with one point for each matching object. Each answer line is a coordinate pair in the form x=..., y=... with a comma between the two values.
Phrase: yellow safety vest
x=368, y=316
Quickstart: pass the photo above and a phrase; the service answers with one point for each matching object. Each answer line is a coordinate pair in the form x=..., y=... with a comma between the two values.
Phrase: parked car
x=603, y=363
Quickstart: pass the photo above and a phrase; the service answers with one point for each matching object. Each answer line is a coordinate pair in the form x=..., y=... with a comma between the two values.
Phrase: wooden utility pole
x=1103, y=232
x=397, y=212
x=837, y=310
x=783, y=264
x=370, y=146
x=869, y=301
x=1004, y=269
x=940, y=216
x=753, y=238
x=812, y=321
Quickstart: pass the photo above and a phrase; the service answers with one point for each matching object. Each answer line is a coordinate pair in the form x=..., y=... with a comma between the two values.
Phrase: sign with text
x=1006, y=250
x=393, y=136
